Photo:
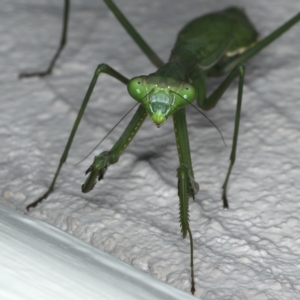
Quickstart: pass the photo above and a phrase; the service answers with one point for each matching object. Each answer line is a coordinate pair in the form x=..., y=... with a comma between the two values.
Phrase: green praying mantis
x=210, y=46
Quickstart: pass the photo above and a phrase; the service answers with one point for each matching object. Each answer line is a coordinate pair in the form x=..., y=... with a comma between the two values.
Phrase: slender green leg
x=107, y=158
x=187, y=186
x=212, y=100
x=62, y=44
x=240, y=69
x=183, y=174
x=183, y=147
x=153, y=57
x=102, y=68
x=134, y=34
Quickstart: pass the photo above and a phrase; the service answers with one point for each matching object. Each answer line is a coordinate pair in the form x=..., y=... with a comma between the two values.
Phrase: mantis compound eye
x=184, y=96
x=187, y=92
x=136, y=88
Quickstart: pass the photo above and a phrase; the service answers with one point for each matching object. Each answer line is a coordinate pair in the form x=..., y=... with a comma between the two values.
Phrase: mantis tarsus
x=212, y=45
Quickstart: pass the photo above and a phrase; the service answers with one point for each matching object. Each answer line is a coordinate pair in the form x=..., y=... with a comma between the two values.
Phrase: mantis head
x=161, y=97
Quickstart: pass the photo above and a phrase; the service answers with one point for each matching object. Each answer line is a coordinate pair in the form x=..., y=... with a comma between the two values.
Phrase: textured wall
x=250, y=251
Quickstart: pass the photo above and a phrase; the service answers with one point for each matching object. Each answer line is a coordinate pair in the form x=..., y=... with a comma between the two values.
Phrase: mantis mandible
x=209, y=46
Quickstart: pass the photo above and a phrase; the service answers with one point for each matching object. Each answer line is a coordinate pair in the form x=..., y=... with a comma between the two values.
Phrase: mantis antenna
x=206, y=117
x=107, y=134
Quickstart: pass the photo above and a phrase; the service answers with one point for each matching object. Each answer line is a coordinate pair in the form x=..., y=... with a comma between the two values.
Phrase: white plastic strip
x=39, y=261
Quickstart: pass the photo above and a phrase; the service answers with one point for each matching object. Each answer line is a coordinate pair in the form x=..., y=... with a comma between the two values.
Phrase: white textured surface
x=250, y=251
x=39, y=261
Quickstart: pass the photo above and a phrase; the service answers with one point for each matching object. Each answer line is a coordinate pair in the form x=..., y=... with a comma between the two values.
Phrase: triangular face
x=160, y=97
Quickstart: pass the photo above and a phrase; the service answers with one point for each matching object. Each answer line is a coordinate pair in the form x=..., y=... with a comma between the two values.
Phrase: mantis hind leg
x=61, y=46
x=234, y=66
x=152, y=56
x=187, y=186
x=212, y=100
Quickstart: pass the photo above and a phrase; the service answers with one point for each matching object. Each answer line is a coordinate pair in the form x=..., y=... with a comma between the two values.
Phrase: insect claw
x=88, y=171
x=193, y=290
x=224, y=198
x=100, y=176
x=96, y=171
